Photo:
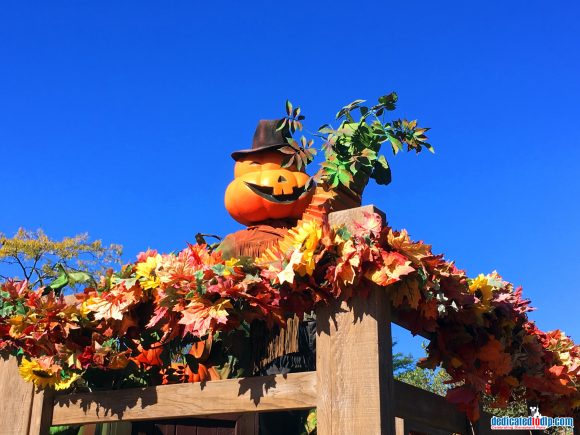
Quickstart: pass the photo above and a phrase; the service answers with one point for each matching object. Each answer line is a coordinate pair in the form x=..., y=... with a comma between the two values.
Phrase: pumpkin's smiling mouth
x=267, y=193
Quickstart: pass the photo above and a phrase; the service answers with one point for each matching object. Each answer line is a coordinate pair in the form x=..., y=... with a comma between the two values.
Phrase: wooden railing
x=352, y=388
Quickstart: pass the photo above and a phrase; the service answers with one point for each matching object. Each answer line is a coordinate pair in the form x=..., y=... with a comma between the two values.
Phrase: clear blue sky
x=118, y=118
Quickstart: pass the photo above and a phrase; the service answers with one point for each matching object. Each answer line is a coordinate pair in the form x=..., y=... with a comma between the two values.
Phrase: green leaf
x=335, y=181
x=288, y=107
x=287, y=150
x=281, y=124
x=79, y=277
x=288, y=161
x=369, y=154
x=246, y=329
x=346, y=109
x=200, y=288
x=6, y=310
x=128, y=282
x=20, y=308
x=298, y=162
x=381, y=171
x=343, y=233
x=344, y=176
x=389, y=101
x=61, y=281
x=396, y=144
x=219, y=269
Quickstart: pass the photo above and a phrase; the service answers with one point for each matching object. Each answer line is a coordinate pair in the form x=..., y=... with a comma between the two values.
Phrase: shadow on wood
x=268, y=393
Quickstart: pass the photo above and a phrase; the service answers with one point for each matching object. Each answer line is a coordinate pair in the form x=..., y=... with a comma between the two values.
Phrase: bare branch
x=26, y=275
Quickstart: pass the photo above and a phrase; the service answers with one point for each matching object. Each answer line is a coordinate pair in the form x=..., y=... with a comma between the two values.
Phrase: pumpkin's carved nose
x=281, y=179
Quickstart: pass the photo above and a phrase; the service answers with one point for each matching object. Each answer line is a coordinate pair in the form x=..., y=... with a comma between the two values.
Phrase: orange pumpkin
x=149, y=357
x=182, y=374
x=262, y=189
x=213, y=374
x=201, y=349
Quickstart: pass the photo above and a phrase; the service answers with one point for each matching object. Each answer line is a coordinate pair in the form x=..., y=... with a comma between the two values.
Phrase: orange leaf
x=409, y=290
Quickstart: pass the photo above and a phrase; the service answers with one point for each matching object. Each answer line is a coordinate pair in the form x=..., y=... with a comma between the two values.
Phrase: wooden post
x=399, y=426
x=22, y=410
x=354, y=360
x=41, y=414
x=15, y=399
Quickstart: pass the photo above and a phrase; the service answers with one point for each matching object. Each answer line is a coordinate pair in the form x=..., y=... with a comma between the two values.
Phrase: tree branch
x=26, y=275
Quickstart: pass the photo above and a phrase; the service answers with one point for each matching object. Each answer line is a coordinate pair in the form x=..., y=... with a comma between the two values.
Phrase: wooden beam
x=264, y=393
x=420, y=408
x=425, y=412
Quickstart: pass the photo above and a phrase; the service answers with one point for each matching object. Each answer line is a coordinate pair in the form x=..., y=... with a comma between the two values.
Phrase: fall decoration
x=179, y=317
x=270, y=192
x=200, y=350
x=352, y=149
x=149, y=357
x=481, y=333
x=180, y=373
x=265, y=187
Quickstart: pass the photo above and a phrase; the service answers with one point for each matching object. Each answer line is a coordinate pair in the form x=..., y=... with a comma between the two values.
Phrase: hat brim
x=237, y=155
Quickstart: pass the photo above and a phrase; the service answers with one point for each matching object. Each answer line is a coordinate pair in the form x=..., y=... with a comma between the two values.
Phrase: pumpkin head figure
x=263, y=188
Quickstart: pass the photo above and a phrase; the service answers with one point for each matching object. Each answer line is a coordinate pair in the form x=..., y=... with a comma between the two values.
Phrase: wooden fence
x=352, y=388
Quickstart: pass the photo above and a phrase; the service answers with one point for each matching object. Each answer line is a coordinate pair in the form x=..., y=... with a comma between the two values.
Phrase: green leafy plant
x=299, y=153
x=352, y=150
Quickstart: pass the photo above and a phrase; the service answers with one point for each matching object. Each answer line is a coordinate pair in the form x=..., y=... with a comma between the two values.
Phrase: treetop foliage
x=38, y=259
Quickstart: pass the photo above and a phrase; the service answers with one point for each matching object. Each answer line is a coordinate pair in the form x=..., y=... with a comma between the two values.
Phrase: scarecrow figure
x=265, y=195
x=269, y=197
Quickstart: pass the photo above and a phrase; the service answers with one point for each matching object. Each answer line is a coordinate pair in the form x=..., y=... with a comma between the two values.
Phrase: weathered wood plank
x=266, y=393
x=426, y=412
x=324, y=368
x=41, y=414
x=16, y=398
x=247, y=424
x=357, y=341
x=399, y=426
x=417, y=407
x=352, y=215
x=354, y=359
x=413, y=404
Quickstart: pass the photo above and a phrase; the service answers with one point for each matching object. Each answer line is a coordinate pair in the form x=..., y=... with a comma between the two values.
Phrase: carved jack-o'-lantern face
x=262, y=189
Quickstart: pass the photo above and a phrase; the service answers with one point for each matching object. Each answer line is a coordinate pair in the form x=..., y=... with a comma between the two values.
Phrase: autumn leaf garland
x=481, y=334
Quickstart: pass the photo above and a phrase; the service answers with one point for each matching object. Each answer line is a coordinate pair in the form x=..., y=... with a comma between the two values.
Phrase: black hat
x=266, y=137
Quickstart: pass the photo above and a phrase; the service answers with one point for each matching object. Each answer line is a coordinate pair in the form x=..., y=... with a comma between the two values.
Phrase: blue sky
x=118, y=118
